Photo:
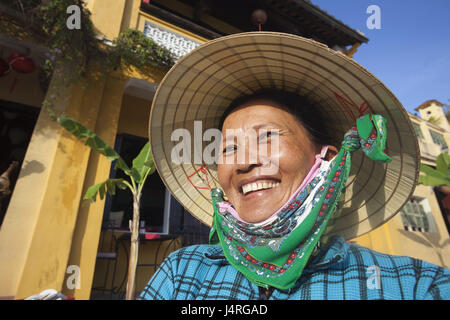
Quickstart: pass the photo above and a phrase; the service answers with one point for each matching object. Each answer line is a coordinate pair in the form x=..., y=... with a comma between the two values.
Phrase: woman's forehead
x=259, y=114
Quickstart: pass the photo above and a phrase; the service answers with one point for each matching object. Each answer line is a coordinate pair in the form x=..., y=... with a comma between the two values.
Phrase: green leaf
x=108, y=186
x=443, y=164
x=92, y=140
x=433, y=181
x=143, y=164
x=429, y=171
x=433, y=177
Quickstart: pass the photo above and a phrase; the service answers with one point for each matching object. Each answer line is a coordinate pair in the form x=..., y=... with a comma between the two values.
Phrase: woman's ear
x=331, y=152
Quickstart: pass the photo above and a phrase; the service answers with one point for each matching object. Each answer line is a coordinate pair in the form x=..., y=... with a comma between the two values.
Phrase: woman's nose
x=246, y=167
x=248, y=157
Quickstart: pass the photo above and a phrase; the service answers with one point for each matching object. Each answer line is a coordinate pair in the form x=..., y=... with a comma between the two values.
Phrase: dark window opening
x=443, y=198
x=154, y=212
x=17, y=123
x=119, y=208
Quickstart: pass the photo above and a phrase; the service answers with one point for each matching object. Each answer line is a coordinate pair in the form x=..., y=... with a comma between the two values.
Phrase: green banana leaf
x=431, y=172
x=108, y=186
x=433, y=181
x=92, y=140
x=439, y=176
x=443, y=164
x=143, y=164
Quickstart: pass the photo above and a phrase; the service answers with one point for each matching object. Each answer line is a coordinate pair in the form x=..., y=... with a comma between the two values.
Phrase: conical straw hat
x=201, y=85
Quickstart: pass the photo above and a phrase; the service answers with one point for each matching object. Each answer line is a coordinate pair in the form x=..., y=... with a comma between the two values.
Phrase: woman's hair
x=308, y=115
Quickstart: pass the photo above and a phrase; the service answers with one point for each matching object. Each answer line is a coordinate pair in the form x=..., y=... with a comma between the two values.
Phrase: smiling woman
x=289, y=186
x=253, y=192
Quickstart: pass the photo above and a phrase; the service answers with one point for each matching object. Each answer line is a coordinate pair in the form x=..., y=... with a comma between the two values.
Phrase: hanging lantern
x=4, y=68
x=259, y=17
x=20, y=64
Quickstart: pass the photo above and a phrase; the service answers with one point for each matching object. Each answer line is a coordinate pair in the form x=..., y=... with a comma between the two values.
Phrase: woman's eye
x=268, y=134
x=229, y=148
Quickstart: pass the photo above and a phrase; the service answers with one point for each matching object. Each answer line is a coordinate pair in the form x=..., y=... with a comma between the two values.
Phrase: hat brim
x=201, y=85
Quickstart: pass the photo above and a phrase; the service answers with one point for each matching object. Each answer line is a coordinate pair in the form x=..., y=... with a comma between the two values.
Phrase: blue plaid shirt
x=340, y=270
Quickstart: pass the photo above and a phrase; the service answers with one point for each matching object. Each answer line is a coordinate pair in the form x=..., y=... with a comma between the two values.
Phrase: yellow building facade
x=420, y=230
x=48, y=227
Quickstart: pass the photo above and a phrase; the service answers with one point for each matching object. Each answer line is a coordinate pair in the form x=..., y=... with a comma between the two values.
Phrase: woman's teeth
x=255, y=186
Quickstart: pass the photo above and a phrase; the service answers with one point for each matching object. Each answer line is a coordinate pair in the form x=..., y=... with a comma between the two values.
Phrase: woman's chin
x=257, y=206
x=257, y=211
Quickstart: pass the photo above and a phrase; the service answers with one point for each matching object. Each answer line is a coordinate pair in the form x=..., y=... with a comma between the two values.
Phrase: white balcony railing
x=176, y=43
x=429, y=150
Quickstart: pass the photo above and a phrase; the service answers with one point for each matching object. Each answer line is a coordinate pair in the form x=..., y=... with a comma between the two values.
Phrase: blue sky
x=410, y=54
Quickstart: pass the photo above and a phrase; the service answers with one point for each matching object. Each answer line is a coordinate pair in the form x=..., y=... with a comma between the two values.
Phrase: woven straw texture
x=203, y=83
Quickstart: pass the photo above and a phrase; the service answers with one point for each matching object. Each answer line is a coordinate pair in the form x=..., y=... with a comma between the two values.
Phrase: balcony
x=429, y=150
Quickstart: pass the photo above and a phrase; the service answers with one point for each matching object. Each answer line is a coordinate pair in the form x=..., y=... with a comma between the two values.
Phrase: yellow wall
x=107, y=16
x=48, y=226
x=126, y=14
x=87, y=228
x=426, y=143
x=392, y=238
x=36, y=233
x=134, y=116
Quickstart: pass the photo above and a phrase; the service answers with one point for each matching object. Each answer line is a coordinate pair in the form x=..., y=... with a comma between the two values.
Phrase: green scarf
x=275, y=253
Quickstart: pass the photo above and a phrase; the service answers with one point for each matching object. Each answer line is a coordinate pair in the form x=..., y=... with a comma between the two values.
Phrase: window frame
x=436, y=136
x=416, y=215
x=418, y=130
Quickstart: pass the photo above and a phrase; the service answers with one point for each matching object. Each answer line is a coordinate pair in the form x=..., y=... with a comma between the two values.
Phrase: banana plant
x=439, y=176
x=142, y=167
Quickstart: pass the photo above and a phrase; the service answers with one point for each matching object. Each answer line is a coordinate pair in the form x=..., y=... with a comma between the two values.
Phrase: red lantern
x=4, y=68
x=20, y=64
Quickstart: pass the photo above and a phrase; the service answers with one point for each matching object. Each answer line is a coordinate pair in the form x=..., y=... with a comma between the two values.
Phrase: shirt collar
x=215, y=255
x=333, y=251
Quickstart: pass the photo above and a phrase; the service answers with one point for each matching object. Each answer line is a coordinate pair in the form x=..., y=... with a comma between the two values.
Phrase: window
x=159, y=211
x=438, y=139
x=416, y=215
x=417, y=129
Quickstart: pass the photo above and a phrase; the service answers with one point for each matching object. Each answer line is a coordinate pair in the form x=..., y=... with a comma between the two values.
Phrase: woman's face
x=262, y=183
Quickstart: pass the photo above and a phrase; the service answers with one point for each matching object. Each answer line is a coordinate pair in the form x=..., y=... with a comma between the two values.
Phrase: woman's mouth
x=258, y=185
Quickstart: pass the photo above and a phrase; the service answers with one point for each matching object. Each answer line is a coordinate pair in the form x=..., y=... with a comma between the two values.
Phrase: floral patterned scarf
x=275, y=252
